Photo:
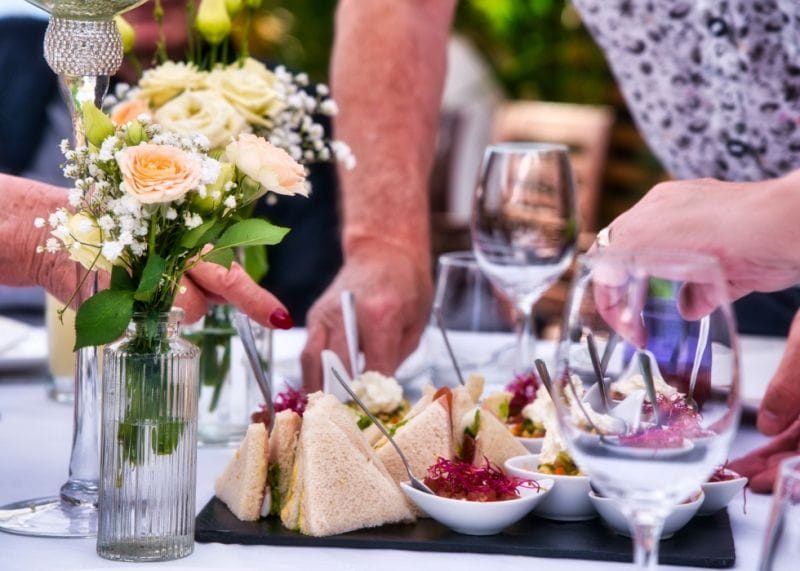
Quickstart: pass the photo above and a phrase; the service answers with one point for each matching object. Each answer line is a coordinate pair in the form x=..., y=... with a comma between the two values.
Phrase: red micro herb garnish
x=523, y=389
x=462, y=481
x=290, y=399
x=654, y=437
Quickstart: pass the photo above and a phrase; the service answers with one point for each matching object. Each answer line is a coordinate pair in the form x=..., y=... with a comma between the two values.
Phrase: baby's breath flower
x=171, y=214
x=192, y=220
x=38, y=222
x=112, y=250
x=230, y=202
x=329, y=107
x=106, y=223
x=322, y=90
x=52, y=245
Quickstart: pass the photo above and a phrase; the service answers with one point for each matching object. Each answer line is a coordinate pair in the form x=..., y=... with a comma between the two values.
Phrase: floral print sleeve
x=714, y=85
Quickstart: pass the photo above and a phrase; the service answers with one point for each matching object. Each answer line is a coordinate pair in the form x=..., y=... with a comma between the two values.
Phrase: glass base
x=151, y=549
x=49, y=517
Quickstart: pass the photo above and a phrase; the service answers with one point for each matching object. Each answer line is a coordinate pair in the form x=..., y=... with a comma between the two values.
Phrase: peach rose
x=128, y=111
x=272, y=167
x=158, y=173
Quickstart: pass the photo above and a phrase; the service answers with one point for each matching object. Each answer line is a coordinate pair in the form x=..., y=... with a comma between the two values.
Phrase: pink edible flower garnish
x=654, y=437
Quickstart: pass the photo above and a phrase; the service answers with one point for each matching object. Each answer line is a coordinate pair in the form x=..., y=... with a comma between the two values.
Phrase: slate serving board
x=704, y=542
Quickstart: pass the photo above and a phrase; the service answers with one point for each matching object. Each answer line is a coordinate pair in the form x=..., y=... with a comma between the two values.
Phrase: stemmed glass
x=524, y=225
x=634, y=320
x=83, y=46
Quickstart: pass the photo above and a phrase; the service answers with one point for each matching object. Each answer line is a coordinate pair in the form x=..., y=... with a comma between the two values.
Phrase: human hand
x=761, y=465
x=745, y=225
x=781, y=403
x=392, y=291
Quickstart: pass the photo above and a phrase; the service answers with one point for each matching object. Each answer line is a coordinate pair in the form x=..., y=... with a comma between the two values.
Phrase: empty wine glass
x=524, y=225
x=782, y=544
x=633, y=320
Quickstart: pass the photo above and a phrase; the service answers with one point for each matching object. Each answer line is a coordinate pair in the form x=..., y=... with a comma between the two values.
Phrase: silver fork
x=242, y=323
x=415, y=482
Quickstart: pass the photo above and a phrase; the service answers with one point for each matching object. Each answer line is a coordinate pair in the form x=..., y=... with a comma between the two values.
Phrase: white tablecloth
x=35, y=436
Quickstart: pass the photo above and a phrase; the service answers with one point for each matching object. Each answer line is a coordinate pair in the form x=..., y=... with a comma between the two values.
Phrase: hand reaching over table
x=750, y=227
x=392, y=292
x=20, y=265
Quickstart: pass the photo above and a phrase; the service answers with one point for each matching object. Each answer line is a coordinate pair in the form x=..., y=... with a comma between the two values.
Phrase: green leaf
x=251, y=232
x=222, y=257
x=103, y=318
x=121, y=280
x=192, y=238
x=151, y=277
x=255, y=262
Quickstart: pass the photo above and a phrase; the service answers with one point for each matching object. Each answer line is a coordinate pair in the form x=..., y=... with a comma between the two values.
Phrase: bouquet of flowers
x=210, y=95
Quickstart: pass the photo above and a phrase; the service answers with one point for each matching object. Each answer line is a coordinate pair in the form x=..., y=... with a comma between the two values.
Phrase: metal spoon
x=350, y=329
x=415, y=482
x=437, y=314
x=702, y=341
x=548, y=384
x=598, y=371
x=649, y=383
x=608, y=351
x=242, y=324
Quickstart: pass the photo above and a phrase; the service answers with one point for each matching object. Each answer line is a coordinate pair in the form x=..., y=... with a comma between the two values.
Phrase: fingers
x=380, y=327
x=234, y=286
x=310, y=357
x=192, y=300
x=781, y=403
x=760, y=466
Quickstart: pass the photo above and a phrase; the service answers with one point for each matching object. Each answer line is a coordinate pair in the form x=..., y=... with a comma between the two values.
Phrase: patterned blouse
x=714, y=85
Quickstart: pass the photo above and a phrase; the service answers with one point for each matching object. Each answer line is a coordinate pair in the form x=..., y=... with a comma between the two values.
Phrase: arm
x=387, y=74
x=21, y=265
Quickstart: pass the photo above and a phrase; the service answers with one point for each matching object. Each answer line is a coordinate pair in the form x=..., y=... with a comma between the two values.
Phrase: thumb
x=781, y=404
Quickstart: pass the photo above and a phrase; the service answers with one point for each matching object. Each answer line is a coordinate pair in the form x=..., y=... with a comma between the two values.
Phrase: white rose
x=84, y=241
x=268, y=165
x=250, y=88
x=168, y=80
x=204, y=113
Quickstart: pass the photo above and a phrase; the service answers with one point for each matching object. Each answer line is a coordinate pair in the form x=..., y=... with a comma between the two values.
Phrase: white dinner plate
x=21, y=345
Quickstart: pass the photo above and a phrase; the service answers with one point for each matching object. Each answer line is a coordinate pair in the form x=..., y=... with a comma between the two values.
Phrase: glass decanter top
x=86, y=9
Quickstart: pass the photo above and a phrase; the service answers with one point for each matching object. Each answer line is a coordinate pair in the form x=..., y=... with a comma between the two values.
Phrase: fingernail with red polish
x=281, y=319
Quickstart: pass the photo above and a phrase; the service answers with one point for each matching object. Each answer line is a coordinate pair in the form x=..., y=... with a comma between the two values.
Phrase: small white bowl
x=534, y=445
x=569, y=500
x=719, y=494
x=611, y=514
x=478, y=518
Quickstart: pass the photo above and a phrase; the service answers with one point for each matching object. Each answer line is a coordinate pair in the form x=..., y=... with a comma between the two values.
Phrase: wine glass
x=524, y=225
x=83, y=46
x=781, y=548
x=477, y=320
x=646, y=322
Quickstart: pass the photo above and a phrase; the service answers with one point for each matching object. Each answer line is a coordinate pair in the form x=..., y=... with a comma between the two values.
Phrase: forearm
x=387, y=74
x=24, y=201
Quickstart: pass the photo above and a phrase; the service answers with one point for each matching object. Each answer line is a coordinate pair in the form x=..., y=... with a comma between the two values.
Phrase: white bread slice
x=462, y=404
x=425, y=438
x=474, y=384
x=343, y=486
x=495, y=442
x=282, y=447
x=242, y=484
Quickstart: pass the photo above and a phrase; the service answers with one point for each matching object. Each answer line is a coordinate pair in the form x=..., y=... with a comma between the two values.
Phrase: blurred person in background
x=713, y=86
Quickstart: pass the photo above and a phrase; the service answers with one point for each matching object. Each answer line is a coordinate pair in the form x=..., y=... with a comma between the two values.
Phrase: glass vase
x=149, y=442
x=228, y=393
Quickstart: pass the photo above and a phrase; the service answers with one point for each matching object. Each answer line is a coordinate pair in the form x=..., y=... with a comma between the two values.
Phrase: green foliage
x=103, y=317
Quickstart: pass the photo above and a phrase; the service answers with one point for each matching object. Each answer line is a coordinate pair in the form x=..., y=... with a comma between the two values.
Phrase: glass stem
x=82, y=485
x=647, y=528
x=526, y=340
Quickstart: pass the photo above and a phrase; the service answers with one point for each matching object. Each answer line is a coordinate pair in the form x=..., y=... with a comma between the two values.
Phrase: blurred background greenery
x=537, y=49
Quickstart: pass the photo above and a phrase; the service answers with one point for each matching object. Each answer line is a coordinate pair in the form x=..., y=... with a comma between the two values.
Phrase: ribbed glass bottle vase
x=149, y=443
